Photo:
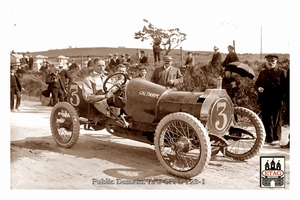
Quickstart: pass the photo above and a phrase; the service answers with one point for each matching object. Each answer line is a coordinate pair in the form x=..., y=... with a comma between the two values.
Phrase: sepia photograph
x=150, y=95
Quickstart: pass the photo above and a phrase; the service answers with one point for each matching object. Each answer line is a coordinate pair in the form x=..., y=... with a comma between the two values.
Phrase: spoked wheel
x=182, y=145
x=64, y=123
x=246, y=136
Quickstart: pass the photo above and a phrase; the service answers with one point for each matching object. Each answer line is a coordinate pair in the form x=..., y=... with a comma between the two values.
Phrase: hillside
x=104, y=51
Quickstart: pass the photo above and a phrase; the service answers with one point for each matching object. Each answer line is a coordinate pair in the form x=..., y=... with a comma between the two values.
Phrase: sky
x=42, y=25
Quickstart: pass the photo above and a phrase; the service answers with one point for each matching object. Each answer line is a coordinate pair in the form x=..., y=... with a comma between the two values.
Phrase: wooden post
x=181, y=55
x=81, y=61
x=233, y=42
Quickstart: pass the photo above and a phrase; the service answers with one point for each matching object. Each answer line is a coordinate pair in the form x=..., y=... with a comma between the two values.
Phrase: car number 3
x=220, y=115
x=218, y=124
x=74, y=99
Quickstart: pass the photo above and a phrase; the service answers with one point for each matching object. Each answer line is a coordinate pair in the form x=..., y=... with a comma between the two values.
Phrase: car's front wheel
x=182, y=145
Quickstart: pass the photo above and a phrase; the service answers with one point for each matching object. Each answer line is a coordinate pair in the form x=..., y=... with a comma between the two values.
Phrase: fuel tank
x=149, y=102
x=141, y=99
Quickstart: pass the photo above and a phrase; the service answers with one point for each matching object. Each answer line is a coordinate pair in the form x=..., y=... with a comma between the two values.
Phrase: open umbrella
x=241, y=68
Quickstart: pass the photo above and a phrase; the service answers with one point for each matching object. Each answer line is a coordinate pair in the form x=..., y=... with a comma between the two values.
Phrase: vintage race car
x=186, y=128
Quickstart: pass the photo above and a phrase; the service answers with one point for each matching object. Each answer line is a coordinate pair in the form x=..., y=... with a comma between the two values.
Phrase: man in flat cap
x=167, y=75
x=270, y=85
x=231, y=56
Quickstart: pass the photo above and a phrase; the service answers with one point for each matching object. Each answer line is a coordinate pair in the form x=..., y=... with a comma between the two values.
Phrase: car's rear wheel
x=246, y=136
x=182, y=145
x=64, y=123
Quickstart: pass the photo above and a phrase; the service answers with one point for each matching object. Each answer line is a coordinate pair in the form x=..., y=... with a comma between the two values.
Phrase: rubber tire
x=260, y=135
x=203, y=138
x=76, y=125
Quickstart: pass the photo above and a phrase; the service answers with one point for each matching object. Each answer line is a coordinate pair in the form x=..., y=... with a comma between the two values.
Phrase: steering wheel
x=115, y=80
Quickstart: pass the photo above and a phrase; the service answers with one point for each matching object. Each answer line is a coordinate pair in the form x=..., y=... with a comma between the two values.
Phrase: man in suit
x=167, y=75
x=216, y=58
x=24, y=61
x=15, y=89
x=128, y=58
x=55, y=85
x=231, y=56
x=143, y=58
x=156, y=51
x=114, y=62
x=190, y=61
x=90, y=63
x=271, y=87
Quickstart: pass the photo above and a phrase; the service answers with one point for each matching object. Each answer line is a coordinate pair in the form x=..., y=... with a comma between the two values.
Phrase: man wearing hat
x=216, y=58
x=190, y=61
x=73, y=65
x=89, y=63
x=55, y=85
x=167, y=75
x=128, y=58
x=66, y=78
x=270, y=85
x=113, y=63
x=156, y=51
x=231, y=56
x=123, y=59
x=15, y=89
x=109, y=66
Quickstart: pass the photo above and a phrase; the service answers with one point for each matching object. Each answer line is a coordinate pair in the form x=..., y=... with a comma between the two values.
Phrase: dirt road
x=102, y=161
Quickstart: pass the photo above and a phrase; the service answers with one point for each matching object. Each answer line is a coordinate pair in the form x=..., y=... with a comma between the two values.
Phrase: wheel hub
x=182, y=145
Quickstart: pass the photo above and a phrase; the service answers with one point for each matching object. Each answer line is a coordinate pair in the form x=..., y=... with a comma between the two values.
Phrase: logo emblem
x=272, y=171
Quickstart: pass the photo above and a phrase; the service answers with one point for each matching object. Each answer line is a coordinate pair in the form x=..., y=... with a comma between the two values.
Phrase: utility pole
x=233, y=43
x=260, y=41
x=181, y=55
